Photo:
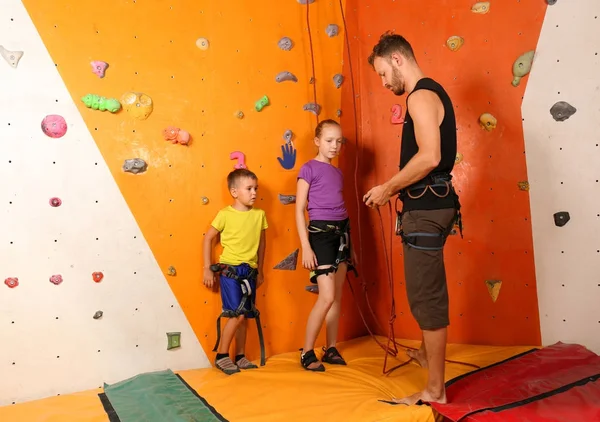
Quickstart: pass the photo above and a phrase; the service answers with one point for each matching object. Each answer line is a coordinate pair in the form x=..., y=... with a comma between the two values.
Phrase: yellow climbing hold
x=493, y=287
x=487, y=122
x=459, y=158
x=455, y=42
x=523, y=185
x=202, y=43
x=522, y=66
x=481, y=7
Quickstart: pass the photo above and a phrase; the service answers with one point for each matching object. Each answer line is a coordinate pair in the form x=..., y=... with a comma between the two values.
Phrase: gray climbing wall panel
x=563, y=161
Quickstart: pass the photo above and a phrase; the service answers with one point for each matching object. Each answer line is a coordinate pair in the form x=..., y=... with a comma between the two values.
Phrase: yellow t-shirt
x=240, y=234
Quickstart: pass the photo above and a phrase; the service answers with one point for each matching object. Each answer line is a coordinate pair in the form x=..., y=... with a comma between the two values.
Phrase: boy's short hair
x=237, y=174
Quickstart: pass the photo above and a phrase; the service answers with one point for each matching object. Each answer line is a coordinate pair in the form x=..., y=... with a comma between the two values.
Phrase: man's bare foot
x=425, y=396
x=418, y=355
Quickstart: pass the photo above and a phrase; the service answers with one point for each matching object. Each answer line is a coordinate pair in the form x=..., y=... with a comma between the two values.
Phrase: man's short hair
x=390, y=43
x=237, y=174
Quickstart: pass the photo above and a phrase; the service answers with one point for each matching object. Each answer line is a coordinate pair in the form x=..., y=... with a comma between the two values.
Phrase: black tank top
x=409, y=148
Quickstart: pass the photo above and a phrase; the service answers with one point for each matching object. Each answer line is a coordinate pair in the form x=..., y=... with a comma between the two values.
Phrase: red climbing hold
x=56, y=279
x=97, y=276
x=55, y=202
x=12, y=282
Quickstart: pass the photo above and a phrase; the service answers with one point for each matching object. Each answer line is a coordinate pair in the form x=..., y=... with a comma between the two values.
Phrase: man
x=430, y=204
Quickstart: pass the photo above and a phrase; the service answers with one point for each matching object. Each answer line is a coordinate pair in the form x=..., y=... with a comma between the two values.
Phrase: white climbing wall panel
x=51, y=344
x=563, y=161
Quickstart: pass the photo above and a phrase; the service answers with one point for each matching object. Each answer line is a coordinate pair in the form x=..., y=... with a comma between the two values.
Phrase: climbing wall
x=82, y=300
x=470, y=51
x=235, y=80
x=561, y=124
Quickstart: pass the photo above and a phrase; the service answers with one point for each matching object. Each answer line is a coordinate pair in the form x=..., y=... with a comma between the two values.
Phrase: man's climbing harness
x=429, y=241
x=230, y=272
x=344, y=250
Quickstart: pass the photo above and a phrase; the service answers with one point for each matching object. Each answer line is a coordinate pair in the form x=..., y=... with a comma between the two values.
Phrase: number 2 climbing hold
x=241, y=159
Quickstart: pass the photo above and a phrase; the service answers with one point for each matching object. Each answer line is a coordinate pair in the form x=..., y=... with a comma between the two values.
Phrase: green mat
x=156, y=397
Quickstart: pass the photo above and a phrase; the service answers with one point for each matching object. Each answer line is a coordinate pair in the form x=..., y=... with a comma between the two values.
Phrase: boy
x=242, y=232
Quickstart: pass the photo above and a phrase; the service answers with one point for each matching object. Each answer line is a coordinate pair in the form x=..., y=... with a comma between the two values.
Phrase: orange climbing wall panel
x=151, y=48
x=497, y=228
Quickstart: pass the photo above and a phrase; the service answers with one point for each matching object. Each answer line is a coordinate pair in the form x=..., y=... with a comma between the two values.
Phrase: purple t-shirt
x=325, y=194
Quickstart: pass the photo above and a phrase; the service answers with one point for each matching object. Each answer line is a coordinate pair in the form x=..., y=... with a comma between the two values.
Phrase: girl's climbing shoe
x=308, y=358
x=333, y=356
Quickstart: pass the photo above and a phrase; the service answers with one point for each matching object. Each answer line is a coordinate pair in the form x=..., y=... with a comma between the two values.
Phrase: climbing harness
x=229, y=272
x=429, y=241
x=344, y=250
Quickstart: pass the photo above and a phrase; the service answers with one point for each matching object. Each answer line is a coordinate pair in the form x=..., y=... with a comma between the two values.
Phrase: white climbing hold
x=11, y=57
x=202, y=43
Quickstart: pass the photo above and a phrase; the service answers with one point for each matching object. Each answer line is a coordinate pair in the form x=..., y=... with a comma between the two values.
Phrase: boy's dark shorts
x=326, y=245
x=424, y=271
x=231, y=291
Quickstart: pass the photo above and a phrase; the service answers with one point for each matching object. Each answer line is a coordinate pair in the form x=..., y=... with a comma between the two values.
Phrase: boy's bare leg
x=317, y=315
x=240, y=346
x=435, y=346
x=419, y=355
x=332, y=318
x=223, y=360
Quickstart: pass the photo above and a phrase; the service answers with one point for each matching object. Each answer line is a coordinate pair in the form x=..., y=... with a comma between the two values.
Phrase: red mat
x=559, y=381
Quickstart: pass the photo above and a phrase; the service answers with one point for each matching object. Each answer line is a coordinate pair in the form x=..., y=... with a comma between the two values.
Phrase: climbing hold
x=202, y=43
x=11, y=57
x=173, y=340
x=562, y=110
x=523, y=185
x=176, y=135
x=459, y=158
x=522, y=66
x=481, y=7
x=171, y=271
x=561, y=218
x=97, y=276
x=306, y=1
x=397, y=118
x=338, y=80
x=97, y=102
x=241, y=159
x=493, y=287
x=332, y=30
x=313, y=288
x=98, y=314
x=262, y=103
x=289, y=156
x=204, y=200
x=286, y=44
x=286, y=76
x=289, y=262
x=137, y=104
x=239, y=114
x=56, y=279
x=551, y=2
x=312, y=80
x=287, y=199
x=288, y=135
x=134, y=165
x=312, y=107
x=12, y=282
x=54, y=126
x=338, y=112
x=55, y=202
x=487, y=122
x=99, y=68
x=455, y=42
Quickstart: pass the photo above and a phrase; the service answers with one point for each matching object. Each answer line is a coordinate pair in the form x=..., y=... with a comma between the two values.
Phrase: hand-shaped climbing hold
x=289, y=156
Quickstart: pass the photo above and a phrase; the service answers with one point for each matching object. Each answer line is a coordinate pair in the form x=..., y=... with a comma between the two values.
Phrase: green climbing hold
x=174, y=340
x=96, y=102
x=262, y=103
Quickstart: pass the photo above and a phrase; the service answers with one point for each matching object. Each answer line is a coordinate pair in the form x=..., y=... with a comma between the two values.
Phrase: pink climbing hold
x=99, y=68
x=55, y=202
x=241, y=159
x=176, y=135
x=397, y=118
x=54, y=126
x=12, y=282
x=56, y=279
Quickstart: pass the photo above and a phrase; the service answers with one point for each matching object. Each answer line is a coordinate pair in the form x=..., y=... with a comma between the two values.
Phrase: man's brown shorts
x=424, y=270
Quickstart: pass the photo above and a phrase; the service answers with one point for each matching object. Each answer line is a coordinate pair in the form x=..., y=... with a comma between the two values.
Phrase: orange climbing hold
x=176, y=135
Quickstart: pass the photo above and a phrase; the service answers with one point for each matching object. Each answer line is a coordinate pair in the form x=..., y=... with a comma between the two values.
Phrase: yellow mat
x=283, y=391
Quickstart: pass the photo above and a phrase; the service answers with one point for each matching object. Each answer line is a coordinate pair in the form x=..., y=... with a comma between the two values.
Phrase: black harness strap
x=344, y=250
x=429, y=241
x=229, y=272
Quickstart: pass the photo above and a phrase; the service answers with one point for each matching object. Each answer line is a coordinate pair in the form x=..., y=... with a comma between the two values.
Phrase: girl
x=320, y=185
